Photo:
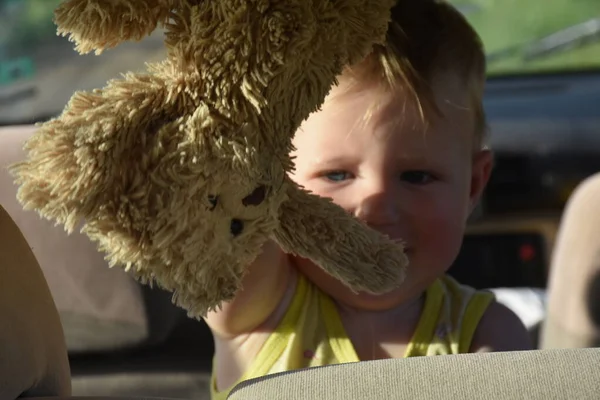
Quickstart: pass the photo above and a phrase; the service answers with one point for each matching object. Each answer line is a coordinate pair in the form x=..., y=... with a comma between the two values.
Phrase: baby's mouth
x=409, y=251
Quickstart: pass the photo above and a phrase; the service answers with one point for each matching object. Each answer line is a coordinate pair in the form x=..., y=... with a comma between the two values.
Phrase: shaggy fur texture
x=180, y=173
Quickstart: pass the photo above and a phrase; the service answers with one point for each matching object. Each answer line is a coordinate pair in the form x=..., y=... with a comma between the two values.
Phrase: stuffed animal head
x=180, y=173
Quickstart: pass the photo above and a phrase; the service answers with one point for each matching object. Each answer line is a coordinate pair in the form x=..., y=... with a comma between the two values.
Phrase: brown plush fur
x=180, y=173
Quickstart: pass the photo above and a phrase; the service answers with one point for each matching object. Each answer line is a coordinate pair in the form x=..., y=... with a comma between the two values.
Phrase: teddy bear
x=180, y=173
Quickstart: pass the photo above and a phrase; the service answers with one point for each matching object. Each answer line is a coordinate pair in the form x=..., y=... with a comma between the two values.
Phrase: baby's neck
x=404, y=311
x=382, y=334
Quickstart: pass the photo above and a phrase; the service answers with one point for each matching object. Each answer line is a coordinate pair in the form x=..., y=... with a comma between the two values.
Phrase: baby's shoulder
x=494, y=326
x=500, y=329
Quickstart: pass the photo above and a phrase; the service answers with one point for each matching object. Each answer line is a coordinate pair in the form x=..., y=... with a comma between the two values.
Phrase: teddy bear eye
x=213, y=200
x=256, y=197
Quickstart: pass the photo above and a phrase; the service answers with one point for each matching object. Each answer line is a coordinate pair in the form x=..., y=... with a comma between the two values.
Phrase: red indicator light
x=527, y=252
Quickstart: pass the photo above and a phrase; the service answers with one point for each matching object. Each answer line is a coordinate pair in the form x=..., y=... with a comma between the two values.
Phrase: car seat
x=531, y=375
x=33, y=354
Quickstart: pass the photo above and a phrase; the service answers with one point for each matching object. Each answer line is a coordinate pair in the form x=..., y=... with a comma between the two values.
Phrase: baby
x=399, y=144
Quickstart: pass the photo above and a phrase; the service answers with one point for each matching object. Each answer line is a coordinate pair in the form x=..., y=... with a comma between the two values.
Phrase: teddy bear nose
x=236, y=227
x=256, y=197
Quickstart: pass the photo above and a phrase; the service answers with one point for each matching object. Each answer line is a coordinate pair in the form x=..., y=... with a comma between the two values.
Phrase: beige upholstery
x=573, y=316
x=100, y=308
x=531, y=375
x=99, y=398
x=33, y=354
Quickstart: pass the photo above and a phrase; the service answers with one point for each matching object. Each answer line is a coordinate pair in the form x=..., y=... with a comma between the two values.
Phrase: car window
x=533, y=36
x=39, y=71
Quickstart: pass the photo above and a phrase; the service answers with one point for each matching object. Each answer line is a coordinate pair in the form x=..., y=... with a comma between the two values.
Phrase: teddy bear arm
x=99, y=24
x=315, y=228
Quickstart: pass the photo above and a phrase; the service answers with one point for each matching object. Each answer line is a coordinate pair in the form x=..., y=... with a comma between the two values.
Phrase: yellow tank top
x=311, y=333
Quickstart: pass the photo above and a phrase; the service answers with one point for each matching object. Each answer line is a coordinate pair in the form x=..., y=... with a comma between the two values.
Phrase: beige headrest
x=532, y=375
x=33, y=354
x=574, y=286
x=98, y=398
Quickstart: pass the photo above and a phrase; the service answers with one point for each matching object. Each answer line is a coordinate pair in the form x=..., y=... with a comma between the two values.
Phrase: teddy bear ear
x=99, y=24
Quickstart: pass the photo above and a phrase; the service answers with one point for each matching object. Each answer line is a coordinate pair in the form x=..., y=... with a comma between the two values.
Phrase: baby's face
x=411, y=182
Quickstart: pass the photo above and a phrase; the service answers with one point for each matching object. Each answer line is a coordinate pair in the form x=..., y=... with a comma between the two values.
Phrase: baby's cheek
x=439, y=233
x=443, y=243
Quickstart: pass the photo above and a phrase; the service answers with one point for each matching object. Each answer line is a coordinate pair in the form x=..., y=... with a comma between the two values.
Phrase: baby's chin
x=398, y=292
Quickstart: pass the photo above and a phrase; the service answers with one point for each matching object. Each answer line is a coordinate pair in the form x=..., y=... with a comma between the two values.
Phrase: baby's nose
x=379, y=209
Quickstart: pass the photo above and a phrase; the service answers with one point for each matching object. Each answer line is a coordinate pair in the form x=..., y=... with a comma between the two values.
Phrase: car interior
x=534, y=240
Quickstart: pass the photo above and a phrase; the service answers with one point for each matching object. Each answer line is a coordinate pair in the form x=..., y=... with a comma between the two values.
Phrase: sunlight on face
x=409, y=181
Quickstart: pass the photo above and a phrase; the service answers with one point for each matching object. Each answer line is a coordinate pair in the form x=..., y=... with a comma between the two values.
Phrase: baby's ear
x=483, y=162
x=100, y=24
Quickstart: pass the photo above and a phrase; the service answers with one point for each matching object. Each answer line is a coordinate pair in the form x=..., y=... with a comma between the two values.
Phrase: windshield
x=39, y=71
x=532, y=36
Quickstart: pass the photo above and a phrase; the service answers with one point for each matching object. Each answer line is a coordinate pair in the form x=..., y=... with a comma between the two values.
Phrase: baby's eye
x=417, y=177
x=337, y=176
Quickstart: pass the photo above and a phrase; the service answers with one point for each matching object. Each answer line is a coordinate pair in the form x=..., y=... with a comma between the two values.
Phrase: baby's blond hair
x=425, y=38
